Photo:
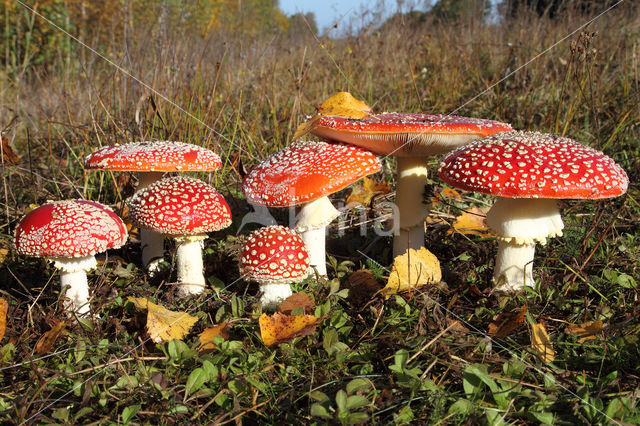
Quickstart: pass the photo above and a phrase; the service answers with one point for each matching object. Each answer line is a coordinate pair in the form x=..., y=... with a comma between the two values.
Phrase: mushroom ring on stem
x=528, y=171
x=69, y=233
x=305, y=173
x=412, y=139
x=186, y=209
x=274, y=256
x=150, y=160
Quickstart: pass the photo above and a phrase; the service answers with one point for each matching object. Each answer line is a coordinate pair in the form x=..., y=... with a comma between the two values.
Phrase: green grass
x=379, y=361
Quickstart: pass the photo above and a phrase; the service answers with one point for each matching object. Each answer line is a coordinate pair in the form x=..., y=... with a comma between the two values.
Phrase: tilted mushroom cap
x=533, y=165
x=179, y=205
x=275, y=254
x=306, y=171
x=158, y=156
x=69, y=228
x=407, y=134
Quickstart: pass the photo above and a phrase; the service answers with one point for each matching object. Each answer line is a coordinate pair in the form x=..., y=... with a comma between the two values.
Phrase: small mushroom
x=305, y=173
x=150, y=160
x=411, y=138
x=186, y=209
x=528, y=171
x=274, y=256
x=69, y=233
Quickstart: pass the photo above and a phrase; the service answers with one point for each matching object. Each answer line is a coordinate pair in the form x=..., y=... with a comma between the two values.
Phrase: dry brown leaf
x=456, y=326
x=164, y=325
x=48, y=340
x=362, y=285
x=281, y=328
x=506, y=323
x=306, y=127
x=8, y=156
x=541, y=343
x=297, y=300
x=586, y=330
x=4, y=306
x=363, y=193
x=471, y=222
x=411, y=270
x=207, y=335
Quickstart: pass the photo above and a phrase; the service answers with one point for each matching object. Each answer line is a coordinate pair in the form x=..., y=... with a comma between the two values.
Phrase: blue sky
x=329, y=12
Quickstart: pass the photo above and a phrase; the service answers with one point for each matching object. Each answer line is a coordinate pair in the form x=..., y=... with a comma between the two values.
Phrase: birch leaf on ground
x=208, y=334
x=4, y=306
x=411, y=270
x=280, y=328
x=48, y=340
x=297, y=300
x=541, y=343
x=446, y=193
x=363, y=193
x=342, y=104
x=585, y=331
x=164, y=325
x=471, y=222
x=506, y=323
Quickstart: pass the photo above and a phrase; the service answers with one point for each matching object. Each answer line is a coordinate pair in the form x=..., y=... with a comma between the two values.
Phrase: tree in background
x=455, y=10
x=551, y=8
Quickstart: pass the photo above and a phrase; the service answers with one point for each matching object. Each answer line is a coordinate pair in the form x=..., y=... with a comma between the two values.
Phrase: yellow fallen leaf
x=446, y=193
x=4, y=306
x=280, y=328
x=586, y=330
x=541, y=343
x=3, y=254
x=6, y=154
x=48, y=340
x=471, y=222
x=342, y=104
x=506, y=323
x=207, y=335
x=164, y=325
x=411, y=270
x=363, y=193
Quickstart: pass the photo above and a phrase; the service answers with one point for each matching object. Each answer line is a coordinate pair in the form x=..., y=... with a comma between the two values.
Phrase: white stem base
x=514, y=266
x=314, y=240
x=273, y=295
x=152, y=245
x=190, y=266
x=76, y=296
x=410, y=181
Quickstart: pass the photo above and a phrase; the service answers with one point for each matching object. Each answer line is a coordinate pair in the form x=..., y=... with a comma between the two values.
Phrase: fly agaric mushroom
x=69, y=233
x=186, y=209
x=150, y=160
x=305, y=173
x=528, y=171
x=274, y=256
x=411, y=138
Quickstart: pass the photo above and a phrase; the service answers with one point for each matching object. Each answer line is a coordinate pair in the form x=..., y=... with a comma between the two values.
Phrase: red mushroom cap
x=533, y=165
x=306, y=171
x=275, y=254
x=179, y=205
x=160, y=156
x=405, y=134
x=69, y=228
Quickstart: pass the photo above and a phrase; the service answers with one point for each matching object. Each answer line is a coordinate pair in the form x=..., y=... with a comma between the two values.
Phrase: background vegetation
x=239, y=80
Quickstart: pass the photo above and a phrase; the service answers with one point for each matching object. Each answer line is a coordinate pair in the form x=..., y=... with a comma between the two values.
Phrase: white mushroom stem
x=311, y=225
x=189, y=264
x=151, y=242
x=519, y=223
x=73, y=282
x=410, y=181
x=273, y=293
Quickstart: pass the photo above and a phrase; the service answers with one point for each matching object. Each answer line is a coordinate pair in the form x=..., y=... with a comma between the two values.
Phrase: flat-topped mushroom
x=305, y=173
x=150, y=160
x=411, y=138
x=528, y=171
x=69, y=233
x=274, y=256
x=185, y=209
